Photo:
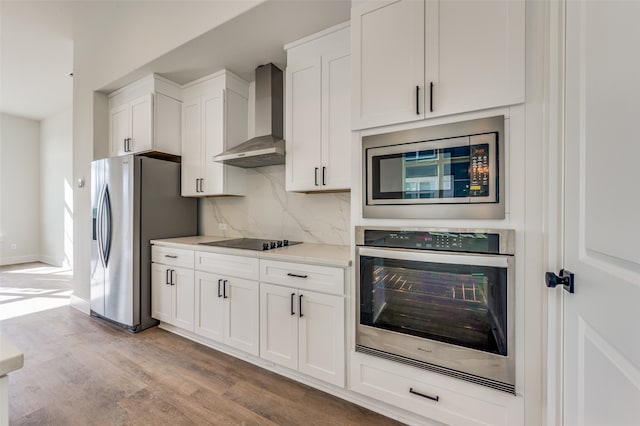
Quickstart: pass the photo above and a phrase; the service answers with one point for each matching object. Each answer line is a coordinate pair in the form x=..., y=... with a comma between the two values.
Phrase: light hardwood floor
x=82, y=371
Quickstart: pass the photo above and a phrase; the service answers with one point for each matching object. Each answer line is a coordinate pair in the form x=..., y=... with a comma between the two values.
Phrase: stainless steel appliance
x=267, y=147
x=252, y=244
x=447, y=171
x=134, y=199
x=439, y=299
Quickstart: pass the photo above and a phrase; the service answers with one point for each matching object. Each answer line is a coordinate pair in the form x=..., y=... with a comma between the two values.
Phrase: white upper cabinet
x=144, y=117
x=214, y=115
x=318, y=128
x=388, y=62
x=419, y=59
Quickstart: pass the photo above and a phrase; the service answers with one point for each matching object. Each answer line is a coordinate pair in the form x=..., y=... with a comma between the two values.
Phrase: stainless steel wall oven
x=448, y=171
x=439, y=299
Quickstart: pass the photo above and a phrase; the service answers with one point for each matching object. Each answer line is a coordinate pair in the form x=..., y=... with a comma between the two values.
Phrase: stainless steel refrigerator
x=134, y=199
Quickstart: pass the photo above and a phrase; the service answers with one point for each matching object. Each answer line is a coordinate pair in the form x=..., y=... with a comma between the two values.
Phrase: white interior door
x=601, y=362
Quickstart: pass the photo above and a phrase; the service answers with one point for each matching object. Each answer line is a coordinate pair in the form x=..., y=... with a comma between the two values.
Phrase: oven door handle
x=499, y=261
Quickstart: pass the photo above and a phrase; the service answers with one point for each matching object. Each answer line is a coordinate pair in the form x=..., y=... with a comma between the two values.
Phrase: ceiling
x=36, y=56
x=36, y=47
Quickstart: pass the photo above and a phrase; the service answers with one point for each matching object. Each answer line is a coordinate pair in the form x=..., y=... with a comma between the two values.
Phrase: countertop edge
x=286, y=254
x=11, y=359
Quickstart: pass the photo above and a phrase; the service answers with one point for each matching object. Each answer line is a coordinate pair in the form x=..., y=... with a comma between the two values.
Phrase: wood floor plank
x=81, y=370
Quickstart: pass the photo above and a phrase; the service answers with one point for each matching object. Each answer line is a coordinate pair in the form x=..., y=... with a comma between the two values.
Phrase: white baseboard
x=80, y=304
x=14, y=260
x=50, y=260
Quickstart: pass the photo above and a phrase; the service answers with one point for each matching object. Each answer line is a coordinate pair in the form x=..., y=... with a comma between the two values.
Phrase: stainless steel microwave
x=450, y=171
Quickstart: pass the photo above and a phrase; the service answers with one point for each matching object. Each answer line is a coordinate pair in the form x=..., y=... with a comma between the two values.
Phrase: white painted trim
x=80, y=304
x=318, y=35
x=15, y=260
x=554, y=209
x=50, y=260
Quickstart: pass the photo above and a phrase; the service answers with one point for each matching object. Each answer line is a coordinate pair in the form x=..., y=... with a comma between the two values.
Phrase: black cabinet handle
x=315, y=176
x=418, y=100
x=219, y=282
x=201, y=184
x=323, y=172
x=433, y=398
x=292, y=311
x=171, y=256
x=172, y=275
x=166, y=277
x=224, y=289
x=300, y=306
x=296, y=275
x=431, y=96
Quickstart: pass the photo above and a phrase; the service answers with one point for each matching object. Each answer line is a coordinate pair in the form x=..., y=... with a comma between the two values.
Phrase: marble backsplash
x=268, y=211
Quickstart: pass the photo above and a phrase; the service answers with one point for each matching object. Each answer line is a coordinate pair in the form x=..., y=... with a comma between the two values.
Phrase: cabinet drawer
x=324, y=279
x=406, y=388
x=225, y=264
x=172, y=256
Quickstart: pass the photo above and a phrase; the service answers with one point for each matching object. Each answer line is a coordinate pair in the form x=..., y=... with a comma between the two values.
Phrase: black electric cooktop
x=252, y=244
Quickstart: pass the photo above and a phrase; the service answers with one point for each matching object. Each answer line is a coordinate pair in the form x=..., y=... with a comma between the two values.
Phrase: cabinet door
x=279, y=325
x=213, y=139
x=183, y=298
x=321, y=337
x=336, y=120
x=209, y=306
x=192, y=159
x=142, y=124
x=119, y=127
x=388, y=60
x=304, y=114
x=166, y=124
x=160, y=292
x=241, y=314
x=481, y=55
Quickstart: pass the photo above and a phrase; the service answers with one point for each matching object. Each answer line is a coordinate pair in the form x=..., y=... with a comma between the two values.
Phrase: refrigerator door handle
x=99, y=236
x=106, y=212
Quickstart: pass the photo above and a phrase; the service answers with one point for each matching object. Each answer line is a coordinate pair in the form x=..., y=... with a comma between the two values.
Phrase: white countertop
x=318, y=254
x=11, y=359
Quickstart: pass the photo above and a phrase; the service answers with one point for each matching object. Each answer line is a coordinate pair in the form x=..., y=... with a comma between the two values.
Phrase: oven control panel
x=469, y=242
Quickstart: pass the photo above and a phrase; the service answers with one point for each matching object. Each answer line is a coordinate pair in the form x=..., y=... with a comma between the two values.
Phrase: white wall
x=56, y=189
x=19, y=189
x=128, y=39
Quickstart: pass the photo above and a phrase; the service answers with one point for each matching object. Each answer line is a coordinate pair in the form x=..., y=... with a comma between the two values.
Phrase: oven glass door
x=451, y=298
x=456, y=170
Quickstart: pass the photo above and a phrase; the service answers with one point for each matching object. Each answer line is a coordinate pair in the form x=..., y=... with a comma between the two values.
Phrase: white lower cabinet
x=172, y=294
x=226, y=305
x=432, y=396
x=302, y=329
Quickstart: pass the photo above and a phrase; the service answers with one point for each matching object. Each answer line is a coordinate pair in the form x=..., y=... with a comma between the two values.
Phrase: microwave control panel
x=479, y=171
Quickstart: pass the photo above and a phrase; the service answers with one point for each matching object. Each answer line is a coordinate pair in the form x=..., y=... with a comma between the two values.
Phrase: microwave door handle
x=499, y=261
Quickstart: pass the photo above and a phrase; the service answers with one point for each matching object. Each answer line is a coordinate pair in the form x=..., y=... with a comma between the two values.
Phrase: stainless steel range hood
x=267, y=148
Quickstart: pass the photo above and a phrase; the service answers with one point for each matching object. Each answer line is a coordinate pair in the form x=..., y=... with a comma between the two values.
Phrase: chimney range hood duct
x=267, y=148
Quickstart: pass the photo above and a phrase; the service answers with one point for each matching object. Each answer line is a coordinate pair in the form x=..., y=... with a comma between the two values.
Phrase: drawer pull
x=433, y=398
x=171, y=256
x=297, y=275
